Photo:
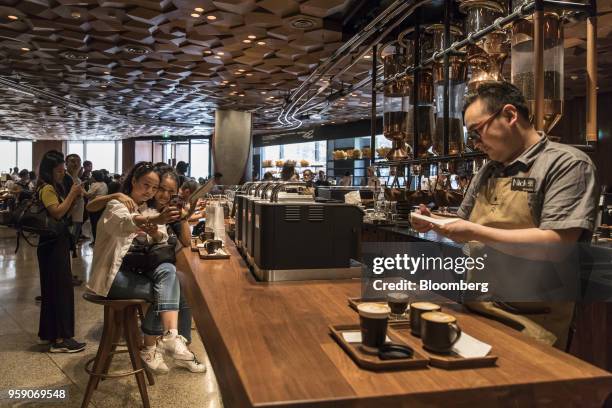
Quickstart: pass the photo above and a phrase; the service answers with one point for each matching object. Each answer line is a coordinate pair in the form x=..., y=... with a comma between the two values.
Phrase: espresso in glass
x=416, y=309
x=398, y=302
x=439, y=331
x=373, y=318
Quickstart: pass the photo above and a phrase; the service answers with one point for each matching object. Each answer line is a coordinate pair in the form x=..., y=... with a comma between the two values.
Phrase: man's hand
x=459, y=231
x=421, y=225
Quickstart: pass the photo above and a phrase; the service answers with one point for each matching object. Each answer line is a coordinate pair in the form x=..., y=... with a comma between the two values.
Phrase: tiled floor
x=25, y=364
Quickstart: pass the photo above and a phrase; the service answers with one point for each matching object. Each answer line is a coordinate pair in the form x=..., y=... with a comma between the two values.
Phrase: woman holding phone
x=161, y=201
x=117, y=228
x=56, y=324
x=167, y=197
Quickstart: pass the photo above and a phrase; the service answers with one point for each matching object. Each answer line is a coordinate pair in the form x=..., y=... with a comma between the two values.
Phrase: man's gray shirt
x=566, y=189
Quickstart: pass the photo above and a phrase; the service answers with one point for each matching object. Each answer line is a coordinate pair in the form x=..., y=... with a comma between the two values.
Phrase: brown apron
x=497, y=206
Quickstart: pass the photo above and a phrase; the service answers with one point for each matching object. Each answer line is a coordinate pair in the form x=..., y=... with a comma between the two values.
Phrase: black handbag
x=31, y=216
x=143, y=256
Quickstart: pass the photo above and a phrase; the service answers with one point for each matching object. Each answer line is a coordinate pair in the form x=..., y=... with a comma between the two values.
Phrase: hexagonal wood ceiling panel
x=117, y=69
x=156, y=62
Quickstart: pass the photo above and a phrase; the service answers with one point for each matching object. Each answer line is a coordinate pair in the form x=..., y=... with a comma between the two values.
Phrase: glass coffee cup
x=373, y=319
x=439, y=331
x=212, y=245
x=398, y=302
x=416, y=310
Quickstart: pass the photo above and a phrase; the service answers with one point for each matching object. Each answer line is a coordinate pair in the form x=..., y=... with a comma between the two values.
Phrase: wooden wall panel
x=40, y=147
x=129, y=154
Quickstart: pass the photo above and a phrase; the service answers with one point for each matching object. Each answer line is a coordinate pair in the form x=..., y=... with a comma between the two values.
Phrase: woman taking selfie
x=112, y=278
x=166, y=196
x=56, y=324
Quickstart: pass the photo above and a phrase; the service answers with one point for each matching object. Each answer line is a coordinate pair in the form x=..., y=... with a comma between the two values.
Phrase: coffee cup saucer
x=369, y=350
x=438, y=351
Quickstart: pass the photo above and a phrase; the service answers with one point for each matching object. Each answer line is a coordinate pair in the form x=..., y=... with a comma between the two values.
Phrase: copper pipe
x=591, y=100
x=538, y=57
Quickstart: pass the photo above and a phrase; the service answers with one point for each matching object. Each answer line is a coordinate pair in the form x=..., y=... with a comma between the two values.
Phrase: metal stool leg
x=132, y=342
x=103, y=354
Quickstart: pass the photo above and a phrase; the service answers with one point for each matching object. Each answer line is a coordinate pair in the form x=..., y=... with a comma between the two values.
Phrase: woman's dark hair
x=139, y=170
x=190, y=184
x=50, y=161
x=347, y=173
x=97, y=175
x=182, y=167
x=164, y=170
x=24, y=173
x=288, y=171
x=114, y=187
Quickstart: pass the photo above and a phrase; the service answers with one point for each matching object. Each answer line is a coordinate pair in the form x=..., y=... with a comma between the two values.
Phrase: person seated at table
x=187, y=188
x=117, y=228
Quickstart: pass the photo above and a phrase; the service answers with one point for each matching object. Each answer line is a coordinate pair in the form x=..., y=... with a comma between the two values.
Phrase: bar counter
x=269, y=347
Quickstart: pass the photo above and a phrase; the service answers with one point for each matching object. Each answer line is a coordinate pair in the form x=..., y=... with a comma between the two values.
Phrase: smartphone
x=177, y=201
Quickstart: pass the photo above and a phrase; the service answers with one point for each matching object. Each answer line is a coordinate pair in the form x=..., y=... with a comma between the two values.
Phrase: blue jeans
x=159, y=286
x=184, y=321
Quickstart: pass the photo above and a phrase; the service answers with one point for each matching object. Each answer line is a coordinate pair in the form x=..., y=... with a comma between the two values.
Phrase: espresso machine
x=239, y=212
x=337, y=193
x=288, y=236
x=255, y=193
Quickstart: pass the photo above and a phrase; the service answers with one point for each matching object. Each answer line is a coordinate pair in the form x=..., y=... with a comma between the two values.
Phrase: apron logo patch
x=523, y=184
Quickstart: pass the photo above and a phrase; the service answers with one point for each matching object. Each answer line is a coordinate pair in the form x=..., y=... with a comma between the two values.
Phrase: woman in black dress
x=56, y=324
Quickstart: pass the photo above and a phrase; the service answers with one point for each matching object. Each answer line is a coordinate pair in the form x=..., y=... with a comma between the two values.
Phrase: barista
x=531, y=192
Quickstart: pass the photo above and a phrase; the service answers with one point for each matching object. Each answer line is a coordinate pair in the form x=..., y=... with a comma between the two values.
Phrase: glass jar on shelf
x=457, y=78
x=522, y=61
x=397, y=105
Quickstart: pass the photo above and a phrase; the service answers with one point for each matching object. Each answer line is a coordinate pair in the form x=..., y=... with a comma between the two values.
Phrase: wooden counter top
x=269, y=346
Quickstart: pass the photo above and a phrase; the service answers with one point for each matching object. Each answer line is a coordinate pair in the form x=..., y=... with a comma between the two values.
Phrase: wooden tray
x=370, y=361
x=194, y=243
x=220, y=254
x=353, y=302
x=449, y=361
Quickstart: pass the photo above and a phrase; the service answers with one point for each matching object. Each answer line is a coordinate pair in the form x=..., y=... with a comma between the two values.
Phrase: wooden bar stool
x=120, y=317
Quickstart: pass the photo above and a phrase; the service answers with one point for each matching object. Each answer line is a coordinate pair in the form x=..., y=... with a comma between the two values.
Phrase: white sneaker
x=154, y=361
x=194, y=365
x=175, y=346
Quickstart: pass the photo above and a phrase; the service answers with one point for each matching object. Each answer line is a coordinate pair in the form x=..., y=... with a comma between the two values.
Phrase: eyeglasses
x=474, y=134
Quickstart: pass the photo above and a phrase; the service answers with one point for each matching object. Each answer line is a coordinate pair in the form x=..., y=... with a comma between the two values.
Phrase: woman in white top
x=117, y=228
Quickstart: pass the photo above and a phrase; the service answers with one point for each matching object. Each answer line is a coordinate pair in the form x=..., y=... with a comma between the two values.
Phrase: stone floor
x=25, y=364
